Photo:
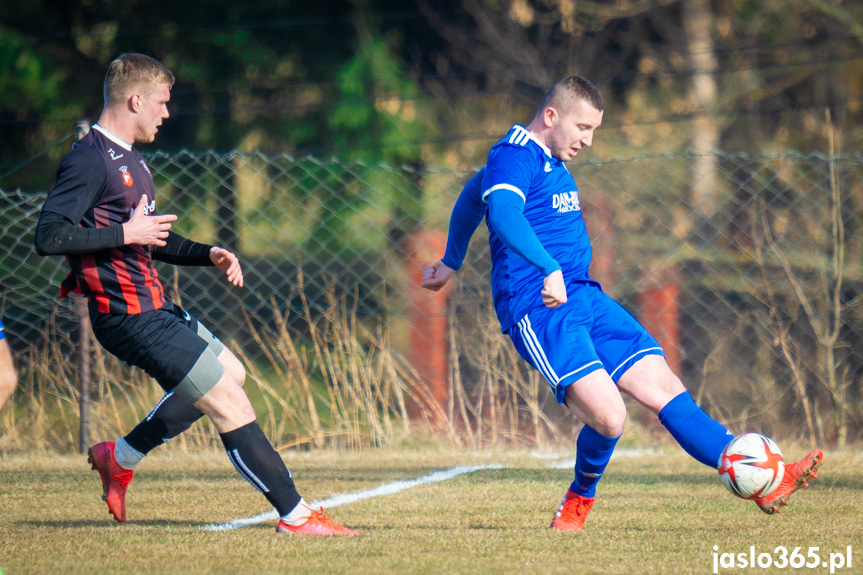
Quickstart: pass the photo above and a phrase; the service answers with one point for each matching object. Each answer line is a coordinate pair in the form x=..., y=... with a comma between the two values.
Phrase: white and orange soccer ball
x=751, y=466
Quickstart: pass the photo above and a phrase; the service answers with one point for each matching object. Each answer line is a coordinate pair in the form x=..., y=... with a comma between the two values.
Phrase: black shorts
x=173, y=348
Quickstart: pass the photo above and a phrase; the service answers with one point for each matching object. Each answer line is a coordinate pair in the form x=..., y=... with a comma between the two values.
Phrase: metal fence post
x=83, y=376
x=82, y=129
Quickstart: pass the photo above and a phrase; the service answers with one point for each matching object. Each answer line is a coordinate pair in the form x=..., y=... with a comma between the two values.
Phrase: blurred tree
x=376, y=111
x=782, y=61
x=699, y=29
x=31, y=93
x=377, y=117
x=267, y=75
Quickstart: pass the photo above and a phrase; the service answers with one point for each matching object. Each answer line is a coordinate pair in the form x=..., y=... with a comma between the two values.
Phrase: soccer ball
x=751, y=466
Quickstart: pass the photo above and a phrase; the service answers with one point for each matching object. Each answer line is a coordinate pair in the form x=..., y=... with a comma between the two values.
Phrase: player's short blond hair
x=134, y=72
x=570, y=90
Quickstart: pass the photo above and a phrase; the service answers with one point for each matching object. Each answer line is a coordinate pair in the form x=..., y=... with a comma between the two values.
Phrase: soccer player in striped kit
x=584, y=343
x=102, y=215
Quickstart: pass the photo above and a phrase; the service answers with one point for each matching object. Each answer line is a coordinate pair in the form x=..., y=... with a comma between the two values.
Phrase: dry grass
x=343, y=386
x=654, y=514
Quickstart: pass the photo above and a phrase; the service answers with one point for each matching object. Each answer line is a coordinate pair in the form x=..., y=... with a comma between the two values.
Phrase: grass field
x=654, y=514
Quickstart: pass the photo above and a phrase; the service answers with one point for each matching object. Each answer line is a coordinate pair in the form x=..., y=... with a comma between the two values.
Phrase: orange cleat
x=115, y=479
x=572, y=512
x=316, y=524
x=796, y=475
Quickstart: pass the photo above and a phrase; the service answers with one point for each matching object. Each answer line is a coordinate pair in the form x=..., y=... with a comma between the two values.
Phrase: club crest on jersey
x=566, y=202
x=114, y=155
x=147, y=208
x=127, y=177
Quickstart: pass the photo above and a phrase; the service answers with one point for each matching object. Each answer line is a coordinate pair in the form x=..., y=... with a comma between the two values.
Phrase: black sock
x=171, y=417
x=261, y=465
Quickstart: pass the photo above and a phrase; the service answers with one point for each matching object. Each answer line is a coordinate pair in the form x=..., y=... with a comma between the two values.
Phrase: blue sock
x=593, y=451
x=698, y=434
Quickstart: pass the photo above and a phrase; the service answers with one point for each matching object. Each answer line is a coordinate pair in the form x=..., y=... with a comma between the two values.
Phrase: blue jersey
x=521, y=165
x=530, y=203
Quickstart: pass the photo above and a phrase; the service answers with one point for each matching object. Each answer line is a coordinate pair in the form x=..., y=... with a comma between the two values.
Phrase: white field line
x=345, y=498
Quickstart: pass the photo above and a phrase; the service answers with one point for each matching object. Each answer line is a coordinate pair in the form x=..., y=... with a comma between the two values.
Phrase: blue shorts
x=2, y=330
x=590, y=331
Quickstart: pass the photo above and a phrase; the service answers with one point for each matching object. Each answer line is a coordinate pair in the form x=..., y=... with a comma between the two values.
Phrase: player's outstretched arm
x=468, y=212
x=436, y=276
x=228, y=263
x=181, y=251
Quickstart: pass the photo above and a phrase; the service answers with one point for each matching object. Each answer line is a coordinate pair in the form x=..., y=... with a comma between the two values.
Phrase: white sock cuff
x=127, y=456
x=298, y=514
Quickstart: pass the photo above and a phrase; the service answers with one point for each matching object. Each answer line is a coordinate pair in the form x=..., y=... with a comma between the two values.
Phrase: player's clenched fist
x=436, y=276
x=554, y=290
x=146, y=230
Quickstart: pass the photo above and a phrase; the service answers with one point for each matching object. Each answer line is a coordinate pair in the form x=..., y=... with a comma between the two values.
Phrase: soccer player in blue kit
x=583, y=342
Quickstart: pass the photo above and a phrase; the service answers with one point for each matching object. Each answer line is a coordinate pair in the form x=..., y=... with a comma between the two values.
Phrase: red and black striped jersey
x=99, y=184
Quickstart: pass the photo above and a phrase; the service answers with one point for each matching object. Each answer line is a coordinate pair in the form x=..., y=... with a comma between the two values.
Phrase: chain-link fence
x=754, y=292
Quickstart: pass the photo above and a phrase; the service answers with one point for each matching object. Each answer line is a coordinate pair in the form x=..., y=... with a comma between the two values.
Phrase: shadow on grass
x=90, y=523
x=367, y=528
x=612, y=477
x=838, y=480
x=336, y=473
x=551, y=476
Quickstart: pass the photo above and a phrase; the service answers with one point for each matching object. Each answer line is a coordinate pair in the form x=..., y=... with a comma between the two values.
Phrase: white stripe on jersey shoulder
x=521, y=136
x=509, y=187
x=112, y=137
